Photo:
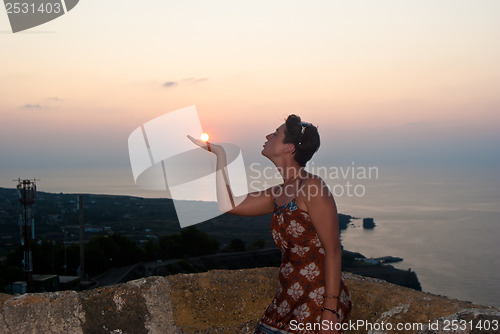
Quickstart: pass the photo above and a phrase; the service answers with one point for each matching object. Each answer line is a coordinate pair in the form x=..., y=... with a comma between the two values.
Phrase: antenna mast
x=26, y=193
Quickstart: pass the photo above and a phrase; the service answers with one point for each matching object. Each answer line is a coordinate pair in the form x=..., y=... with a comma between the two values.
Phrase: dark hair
x=304, y=136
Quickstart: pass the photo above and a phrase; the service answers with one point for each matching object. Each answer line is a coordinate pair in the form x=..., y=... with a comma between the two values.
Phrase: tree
x=236, y=245
x=190, y=242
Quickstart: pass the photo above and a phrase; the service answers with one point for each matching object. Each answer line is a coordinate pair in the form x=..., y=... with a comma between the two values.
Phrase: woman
x=311, y=296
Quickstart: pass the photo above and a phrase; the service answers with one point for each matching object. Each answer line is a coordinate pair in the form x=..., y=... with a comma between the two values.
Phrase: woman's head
x=304, y=136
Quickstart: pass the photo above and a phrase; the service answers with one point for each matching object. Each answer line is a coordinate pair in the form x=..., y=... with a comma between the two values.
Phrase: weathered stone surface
x=376, y=301
x=57, y=312
x=220, y=301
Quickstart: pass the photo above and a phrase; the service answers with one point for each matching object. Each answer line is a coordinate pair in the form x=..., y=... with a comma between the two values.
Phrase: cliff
x=221, y=301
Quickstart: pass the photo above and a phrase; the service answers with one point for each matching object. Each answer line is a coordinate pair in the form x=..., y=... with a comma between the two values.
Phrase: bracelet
x=208, y=147
x=330, y=296
x=329, y=309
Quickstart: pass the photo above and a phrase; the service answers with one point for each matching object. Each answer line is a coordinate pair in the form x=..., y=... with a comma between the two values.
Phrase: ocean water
x=444, y=222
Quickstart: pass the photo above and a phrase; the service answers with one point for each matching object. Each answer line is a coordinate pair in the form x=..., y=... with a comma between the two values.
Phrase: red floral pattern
x=299, y=295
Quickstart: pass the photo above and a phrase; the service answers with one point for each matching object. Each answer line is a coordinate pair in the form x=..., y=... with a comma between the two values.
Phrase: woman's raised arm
x=252, y=204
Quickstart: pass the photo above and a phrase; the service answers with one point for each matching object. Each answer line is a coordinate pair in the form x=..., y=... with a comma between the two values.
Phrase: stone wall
x=219, y=301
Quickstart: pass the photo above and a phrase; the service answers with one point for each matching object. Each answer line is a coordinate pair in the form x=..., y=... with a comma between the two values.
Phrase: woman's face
x=274, y=144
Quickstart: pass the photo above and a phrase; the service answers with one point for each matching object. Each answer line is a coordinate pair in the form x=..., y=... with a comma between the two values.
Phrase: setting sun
x=204, y=137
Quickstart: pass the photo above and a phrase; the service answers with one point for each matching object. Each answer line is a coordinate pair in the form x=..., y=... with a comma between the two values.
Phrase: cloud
x=32, y=106
x=194, y=81
x=45, y=103
x=190, y=81
x=169, y=84
x=424, y=123
x=53, y=98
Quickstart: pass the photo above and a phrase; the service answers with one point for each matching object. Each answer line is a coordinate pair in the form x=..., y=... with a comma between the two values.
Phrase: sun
x=204, y=137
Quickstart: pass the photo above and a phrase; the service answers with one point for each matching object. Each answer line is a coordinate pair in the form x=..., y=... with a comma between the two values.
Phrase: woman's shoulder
x=312, y=189
x=312, y=186
x=313, y=180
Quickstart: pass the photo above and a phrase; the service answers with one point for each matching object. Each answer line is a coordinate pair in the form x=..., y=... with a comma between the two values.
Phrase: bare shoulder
x=313, y=190
x=312, y=178
x=322, y=210
x=314, y=185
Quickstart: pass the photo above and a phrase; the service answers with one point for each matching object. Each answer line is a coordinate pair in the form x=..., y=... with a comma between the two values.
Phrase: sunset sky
x=396, y=83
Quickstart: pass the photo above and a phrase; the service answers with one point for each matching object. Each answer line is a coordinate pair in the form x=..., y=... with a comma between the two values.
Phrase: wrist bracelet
x=333, y=311
x=208, y=147
x=330, y=296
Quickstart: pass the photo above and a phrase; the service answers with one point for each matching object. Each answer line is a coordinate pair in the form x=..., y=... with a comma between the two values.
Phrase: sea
x=444, y=222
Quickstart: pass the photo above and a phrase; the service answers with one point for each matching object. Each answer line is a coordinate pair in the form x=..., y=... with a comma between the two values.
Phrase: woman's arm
x=323, y=212
x=253, y=204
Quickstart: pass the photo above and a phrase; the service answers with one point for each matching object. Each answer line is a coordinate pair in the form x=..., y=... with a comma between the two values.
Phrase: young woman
x=311, y=296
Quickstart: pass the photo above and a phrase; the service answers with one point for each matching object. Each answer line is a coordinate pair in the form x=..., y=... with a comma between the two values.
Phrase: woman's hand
x=199, y=142
x=211, y=147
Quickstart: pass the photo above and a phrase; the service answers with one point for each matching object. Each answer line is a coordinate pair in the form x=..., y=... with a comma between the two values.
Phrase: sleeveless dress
x=301, y=286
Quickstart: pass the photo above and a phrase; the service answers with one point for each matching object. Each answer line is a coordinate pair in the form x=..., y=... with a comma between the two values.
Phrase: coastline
x=147, y=218
x=269, y=257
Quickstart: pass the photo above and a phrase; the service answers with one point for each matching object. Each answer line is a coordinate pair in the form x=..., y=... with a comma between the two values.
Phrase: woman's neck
x=290, y=173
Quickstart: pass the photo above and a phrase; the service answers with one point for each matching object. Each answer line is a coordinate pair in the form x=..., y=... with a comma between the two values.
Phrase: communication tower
x=26, y=193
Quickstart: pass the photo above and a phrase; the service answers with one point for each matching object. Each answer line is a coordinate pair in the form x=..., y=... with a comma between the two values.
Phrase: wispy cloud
x=45, y=103
x=169, y=84
x=193, y=81
x=53, y=98
x=188, y=81
x=32, y=106
x=419, y=123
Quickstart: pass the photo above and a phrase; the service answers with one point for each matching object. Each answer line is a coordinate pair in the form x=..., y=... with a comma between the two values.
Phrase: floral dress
x=301, y=286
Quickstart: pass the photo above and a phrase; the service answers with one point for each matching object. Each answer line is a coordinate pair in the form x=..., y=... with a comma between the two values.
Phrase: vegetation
x=119, y=231
x=105, y=252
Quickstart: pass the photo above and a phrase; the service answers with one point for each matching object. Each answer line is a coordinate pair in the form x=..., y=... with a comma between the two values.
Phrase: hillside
x=140, y=219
